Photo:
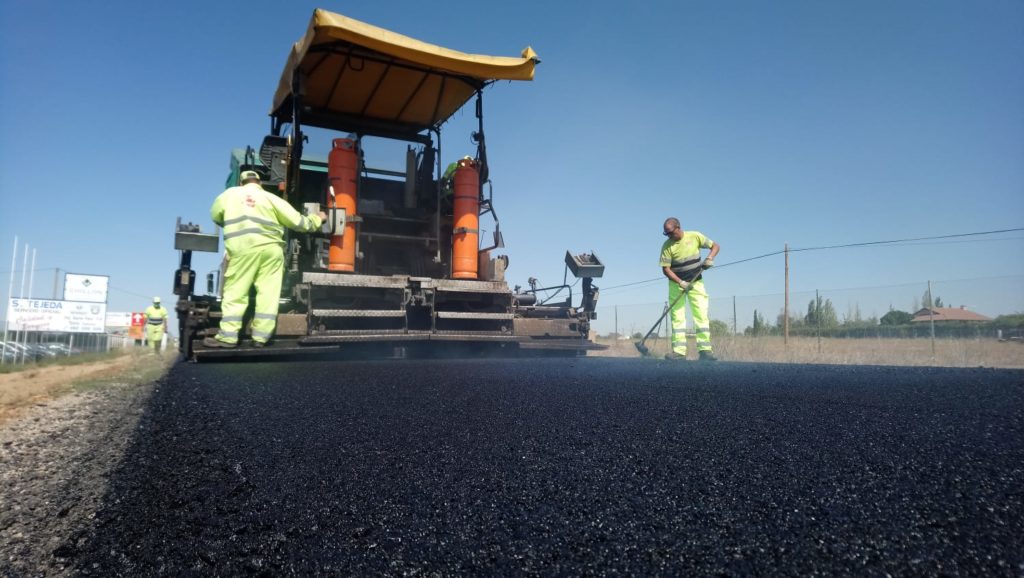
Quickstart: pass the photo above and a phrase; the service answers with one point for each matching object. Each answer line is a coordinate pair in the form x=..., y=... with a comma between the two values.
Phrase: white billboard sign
x=92, y=288
x=58, y=316
x=118, y=319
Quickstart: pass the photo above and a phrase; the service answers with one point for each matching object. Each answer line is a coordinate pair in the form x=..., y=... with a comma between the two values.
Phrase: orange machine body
x=466, y=220
x=342, y=170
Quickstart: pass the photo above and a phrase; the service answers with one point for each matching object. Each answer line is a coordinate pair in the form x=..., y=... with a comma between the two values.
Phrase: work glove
x=707, y=264
x=684, y=285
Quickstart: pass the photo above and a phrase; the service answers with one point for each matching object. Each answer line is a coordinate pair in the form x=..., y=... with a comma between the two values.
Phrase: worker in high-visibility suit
x=448, y=184
x=681, y=263
x=156, y=324
x=254, y=221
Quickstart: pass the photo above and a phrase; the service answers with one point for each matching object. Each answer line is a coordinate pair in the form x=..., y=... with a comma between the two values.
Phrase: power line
x=961, y=242
x=894, y=241
x=841, y=289
x=843, y=246
x=130, y=292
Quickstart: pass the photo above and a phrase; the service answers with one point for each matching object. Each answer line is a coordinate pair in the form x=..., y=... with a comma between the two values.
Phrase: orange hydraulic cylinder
x=466, y=213
x=342, y=169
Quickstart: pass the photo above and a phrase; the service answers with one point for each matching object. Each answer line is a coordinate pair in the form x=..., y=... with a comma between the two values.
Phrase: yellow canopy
x=353, y=72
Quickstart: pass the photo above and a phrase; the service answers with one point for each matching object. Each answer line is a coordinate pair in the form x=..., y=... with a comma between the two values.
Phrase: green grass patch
x=142, y=370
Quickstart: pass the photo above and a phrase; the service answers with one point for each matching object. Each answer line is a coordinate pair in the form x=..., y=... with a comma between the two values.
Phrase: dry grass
x=39, y=384
x=948, y=352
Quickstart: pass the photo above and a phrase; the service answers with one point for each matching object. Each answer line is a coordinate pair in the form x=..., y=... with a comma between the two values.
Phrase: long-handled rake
x=640, y=345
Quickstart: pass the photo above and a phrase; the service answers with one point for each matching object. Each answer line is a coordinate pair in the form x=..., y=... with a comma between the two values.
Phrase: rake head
x=644, y=351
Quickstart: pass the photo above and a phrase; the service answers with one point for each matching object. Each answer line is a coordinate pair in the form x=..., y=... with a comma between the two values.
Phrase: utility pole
x=785, y=309
x=31, y=278
x=32, y=273
x=56, y=276
x=616, y=322
x=21, y=294
x=10, y=293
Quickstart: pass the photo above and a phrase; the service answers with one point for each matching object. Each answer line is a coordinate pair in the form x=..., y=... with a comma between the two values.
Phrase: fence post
x=667, y=323
x=931, y=318
x=817, y=318
x=785, y=309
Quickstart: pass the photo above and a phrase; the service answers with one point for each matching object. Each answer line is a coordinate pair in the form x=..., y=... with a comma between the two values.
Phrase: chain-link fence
x=34, y=346
x=963, y=322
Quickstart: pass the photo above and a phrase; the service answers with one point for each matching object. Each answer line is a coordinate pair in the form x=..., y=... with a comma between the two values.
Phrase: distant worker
x=156, y=325
x=254, y=222
x=681, y=263
x=448, y=180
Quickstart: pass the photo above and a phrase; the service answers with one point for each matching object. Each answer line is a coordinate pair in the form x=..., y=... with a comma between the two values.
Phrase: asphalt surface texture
x=567, y=467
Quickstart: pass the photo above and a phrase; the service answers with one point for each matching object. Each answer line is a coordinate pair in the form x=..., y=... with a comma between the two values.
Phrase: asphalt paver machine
x=399, y=268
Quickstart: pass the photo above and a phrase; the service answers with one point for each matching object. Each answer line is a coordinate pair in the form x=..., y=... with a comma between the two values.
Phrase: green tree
x=853, y=316
x=1014, y=321
x=821, y=313
x=759, y=327
x=928, y=301
x=896, y=317
x=720, y=328
x=795, y=320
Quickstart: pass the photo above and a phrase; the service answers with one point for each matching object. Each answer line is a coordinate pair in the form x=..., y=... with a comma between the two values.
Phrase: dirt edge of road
x=33, y=386
x=63, y=431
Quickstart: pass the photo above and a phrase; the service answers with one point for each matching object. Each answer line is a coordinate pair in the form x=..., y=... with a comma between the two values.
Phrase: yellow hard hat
x=249, y=175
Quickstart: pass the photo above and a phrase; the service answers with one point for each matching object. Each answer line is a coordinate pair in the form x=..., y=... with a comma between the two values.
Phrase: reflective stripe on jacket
x=155, y=315
x=687, y=270
x=683, y=256
x=252, y=217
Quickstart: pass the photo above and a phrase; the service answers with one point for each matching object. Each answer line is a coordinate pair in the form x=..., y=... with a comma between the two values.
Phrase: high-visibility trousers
x=155, y=335
x=697, y=299
x=263, y=267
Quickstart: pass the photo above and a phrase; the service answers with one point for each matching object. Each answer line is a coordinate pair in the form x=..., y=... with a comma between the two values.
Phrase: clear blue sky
x=757, y=123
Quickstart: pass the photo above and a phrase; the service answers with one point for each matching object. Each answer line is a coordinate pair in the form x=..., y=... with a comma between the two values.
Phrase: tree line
x=821, y=319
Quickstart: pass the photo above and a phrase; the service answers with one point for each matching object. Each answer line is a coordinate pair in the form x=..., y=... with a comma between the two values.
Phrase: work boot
x=707, y=356
x=259, y=344
x=214, y=342
x=673, y=356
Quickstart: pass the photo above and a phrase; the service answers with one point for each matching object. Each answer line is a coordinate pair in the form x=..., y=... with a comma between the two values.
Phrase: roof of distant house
x=948, y=314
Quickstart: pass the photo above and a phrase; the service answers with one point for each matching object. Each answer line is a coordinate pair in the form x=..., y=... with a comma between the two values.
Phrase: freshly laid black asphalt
x=569, y=467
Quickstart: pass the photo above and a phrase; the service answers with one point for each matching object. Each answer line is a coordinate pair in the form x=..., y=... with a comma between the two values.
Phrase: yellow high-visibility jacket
x=683, y=256
x=252, y=217
x=155, y=316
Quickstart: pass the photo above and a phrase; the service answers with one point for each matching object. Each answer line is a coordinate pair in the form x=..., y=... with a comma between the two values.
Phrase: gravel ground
x=542, y=467
x=55, y=462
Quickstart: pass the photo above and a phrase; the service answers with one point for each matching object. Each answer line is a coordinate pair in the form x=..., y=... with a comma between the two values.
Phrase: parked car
x=18, y=351
x=8, y=352
x=62, y=350
x=41, y=350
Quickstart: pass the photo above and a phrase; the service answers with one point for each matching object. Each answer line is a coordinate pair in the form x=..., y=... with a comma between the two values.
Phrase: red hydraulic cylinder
x=466, y=215
x=342, y=169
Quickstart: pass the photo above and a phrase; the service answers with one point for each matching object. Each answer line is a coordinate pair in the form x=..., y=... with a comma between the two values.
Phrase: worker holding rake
x=682, y=265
